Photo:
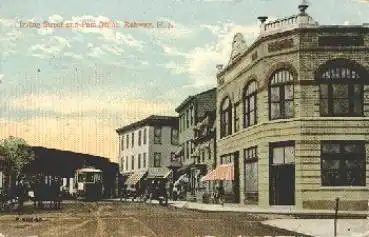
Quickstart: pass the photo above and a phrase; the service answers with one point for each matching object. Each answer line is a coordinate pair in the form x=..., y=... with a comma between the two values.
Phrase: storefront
x=222, y=175
x=136, y=181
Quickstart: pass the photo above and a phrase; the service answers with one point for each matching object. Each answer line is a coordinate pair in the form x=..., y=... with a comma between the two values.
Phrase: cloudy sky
x=70, y=88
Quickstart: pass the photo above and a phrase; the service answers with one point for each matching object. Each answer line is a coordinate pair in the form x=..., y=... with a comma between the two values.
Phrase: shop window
x=343, y=163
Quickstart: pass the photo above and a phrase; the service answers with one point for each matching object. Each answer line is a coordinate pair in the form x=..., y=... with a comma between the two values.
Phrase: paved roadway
x=134, y=219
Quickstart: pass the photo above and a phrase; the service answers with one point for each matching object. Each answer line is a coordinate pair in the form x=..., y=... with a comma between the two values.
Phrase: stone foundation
x=344, y=205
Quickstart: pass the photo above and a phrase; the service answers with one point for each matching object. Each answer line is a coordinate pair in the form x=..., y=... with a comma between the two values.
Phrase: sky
x=71, y=88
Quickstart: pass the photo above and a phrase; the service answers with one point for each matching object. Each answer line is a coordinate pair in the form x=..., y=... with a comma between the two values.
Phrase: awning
x=222, y=172
x=179, y=152
x=205, y=122
x=182, y=179
x=135, y=177
x=209, y=176
x=186, y=166
x=89, y=170
x=161, y=172
x=125, y=173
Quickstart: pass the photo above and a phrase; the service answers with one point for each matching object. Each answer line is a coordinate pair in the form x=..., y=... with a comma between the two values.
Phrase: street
x=133, y=219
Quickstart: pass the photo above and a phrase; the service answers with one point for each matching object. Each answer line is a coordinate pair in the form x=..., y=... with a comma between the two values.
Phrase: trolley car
x=89, y=184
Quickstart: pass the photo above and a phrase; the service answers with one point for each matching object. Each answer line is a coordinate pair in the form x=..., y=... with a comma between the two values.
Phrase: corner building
x=293, y=112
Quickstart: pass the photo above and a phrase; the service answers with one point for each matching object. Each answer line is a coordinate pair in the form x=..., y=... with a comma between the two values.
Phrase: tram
x=89, y=184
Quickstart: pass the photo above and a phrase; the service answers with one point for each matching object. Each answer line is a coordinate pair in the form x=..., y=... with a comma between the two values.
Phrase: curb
x=300, y=215
x=296, y=234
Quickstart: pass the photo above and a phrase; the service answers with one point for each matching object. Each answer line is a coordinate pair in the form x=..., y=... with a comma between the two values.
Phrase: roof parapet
x=288, y=23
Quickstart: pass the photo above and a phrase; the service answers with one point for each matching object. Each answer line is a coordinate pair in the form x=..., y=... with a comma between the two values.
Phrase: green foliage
x=17, y=153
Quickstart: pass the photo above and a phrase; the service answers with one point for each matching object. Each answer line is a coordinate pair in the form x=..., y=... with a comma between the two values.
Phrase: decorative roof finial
x=303, y=6
x=262, y=19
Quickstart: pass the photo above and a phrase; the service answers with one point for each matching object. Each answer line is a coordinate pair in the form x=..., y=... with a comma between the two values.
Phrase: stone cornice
x=320, y=29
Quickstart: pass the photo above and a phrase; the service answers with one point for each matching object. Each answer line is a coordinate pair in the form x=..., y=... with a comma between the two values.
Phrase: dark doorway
x=282, y=174
x=283, y=185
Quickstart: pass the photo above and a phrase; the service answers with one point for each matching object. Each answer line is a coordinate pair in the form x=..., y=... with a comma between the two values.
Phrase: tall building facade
x=191, y=111
x=147, y=144
x=293, y=111
x=205, y=153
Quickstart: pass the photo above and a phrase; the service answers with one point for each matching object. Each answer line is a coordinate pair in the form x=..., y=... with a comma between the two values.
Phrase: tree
x=17, y=154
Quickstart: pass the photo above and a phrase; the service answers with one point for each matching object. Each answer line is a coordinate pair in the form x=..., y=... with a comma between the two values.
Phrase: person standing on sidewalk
x=171, y=187
x=123, y=192
x=221, y=195
x=20, y=194
x=151, y=190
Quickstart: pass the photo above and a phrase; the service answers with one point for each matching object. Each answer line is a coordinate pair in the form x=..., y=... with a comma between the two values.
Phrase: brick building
x=293, y=114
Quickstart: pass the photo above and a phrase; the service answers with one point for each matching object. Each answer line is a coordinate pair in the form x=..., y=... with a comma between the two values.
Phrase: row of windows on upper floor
x=187, y=119
x=189, y=148
x=341, y=95
x=124, y=162
x=124, y=140
x=142, y=161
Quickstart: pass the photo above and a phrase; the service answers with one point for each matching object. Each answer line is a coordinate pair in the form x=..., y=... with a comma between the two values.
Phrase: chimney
x=219, y=67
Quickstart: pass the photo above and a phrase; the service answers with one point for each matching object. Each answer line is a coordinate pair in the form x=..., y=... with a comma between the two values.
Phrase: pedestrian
x=217, y=194
x=123, y=192
x=151, y=190
x=54, y=192
x=58, y=194
x=175, y=193
x=20, y=196
x=134, y=192
x=171, y=187
x=221, y=195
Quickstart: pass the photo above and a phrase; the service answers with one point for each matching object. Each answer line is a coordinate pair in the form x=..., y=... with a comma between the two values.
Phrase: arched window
x=281, y=95
x=249, y=102
x=226, y=118
x=341, y=92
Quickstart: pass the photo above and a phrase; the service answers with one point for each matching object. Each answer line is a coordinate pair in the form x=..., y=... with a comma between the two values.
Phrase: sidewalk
x=321, y=226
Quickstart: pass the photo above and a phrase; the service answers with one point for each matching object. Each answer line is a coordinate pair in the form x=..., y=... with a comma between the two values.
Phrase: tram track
x=107, y=220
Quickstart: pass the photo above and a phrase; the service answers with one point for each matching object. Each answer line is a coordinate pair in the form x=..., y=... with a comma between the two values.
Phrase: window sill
x=298, y=119
x=357, y=188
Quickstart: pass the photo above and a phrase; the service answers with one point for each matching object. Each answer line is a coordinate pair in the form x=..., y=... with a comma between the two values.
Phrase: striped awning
x=209, y=176
x=222, y=172
x=135, y=177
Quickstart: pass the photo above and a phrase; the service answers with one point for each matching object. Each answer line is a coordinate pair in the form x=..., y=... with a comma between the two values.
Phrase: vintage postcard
x=184, y=118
